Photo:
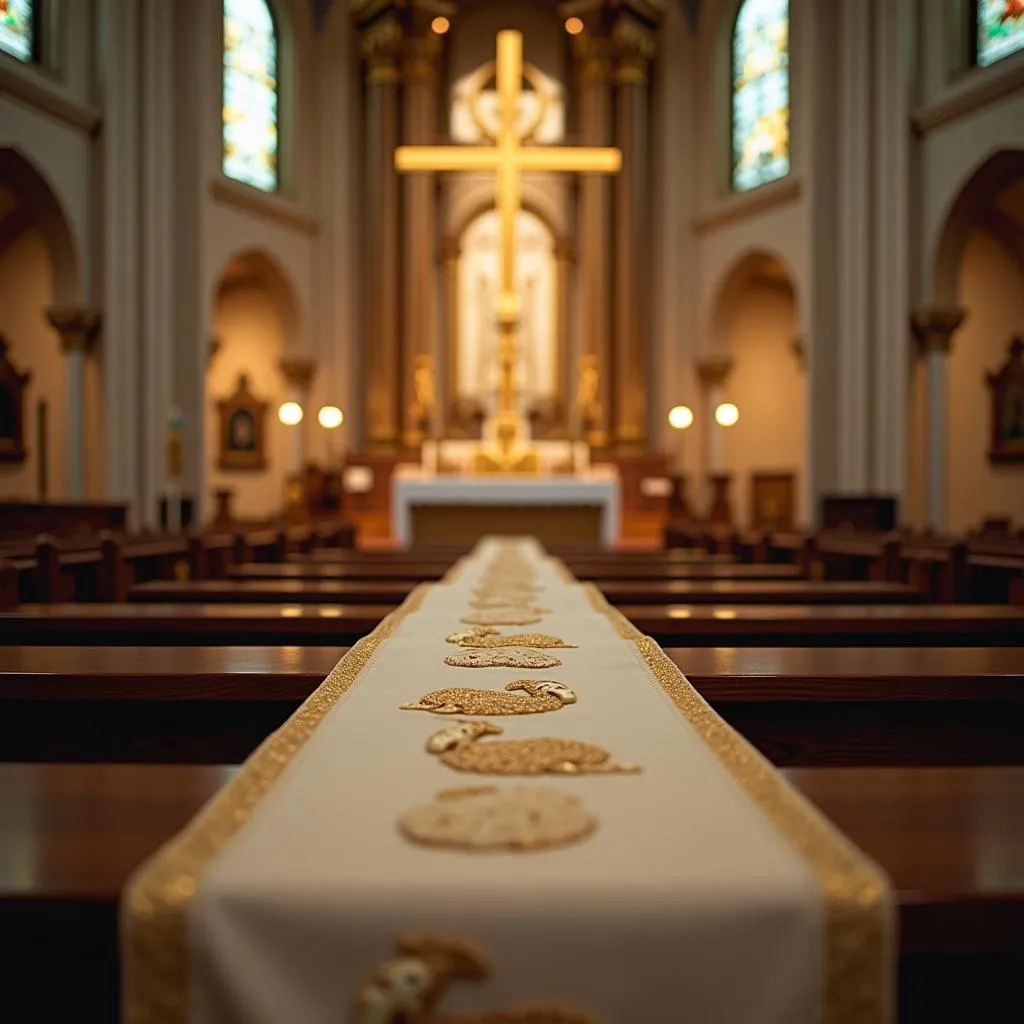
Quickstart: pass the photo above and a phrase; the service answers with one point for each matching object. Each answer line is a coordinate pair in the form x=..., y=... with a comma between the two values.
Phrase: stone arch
x=257, y=267
x=480, y=201
x=43, y=210
x=754, y=266
x=967, y=211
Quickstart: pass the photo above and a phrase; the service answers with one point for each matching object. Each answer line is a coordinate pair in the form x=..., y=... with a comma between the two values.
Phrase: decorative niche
x=242, y=419
x=1007, y=398
x=12, y=408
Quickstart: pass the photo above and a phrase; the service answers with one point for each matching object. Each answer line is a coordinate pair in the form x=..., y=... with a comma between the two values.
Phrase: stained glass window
x=760, y=93
x=999, y=30
x=250, y=94
x=18, y=28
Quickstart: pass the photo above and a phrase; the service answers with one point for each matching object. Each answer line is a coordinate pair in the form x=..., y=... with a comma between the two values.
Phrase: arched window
x=760, y=93
x=250, y=94
x=998, y=29
x=19, y=28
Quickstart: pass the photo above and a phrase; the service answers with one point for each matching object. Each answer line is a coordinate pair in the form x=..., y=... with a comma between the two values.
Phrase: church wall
x=991, y=289
x=249, y=324
x=950, y=154
x=26, y=289
x=767, y=385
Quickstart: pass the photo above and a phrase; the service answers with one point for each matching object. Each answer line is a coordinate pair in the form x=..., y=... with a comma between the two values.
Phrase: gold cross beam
x=509, y=159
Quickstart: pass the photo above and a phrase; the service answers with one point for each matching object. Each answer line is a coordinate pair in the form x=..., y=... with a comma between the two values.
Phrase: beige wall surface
x=992, y=293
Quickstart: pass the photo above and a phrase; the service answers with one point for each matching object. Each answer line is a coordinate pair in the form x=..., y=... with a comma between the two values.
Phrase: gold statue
x=508, y=159
x=425, y=402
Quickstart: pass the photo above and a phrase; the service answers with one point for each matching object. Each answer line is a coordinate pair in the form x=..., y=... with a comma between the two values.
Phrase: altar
x=429, y=507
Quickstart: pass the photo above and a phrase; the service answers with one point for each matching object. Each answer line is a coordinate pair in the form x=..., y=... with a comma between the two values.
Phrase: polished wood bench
x=799, y=706
x=391, y=592
x=190, y=624
x=617, y=592
x=951, y=840
x=648, y=570
x=829, y=626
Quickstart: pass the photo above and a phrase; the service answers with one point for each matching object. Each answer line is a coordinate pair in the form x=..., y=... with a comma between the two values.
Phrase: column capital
x=798, y=347
x=713, y=371
x=77, y=326
x=298, y=370
x=935, y=326
x=633, y=44
x=450, y=250
x=565, y=250
x=380, y=43
x=421, y=56
x=593, y=58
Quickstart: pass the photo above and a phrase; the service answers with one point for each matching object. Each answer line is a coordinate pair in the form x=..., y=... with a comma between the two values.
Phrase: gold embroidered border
x=599, y=603
x=858, y=907
x=856, y=893
x=155, y=904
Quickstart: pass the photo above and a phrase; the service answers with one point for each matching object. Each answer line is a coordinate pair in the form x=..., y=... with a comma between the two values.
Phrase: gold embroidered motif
x=501, y=657
x=502, y=601
x=474, y=633
x=538, y=695
x=409, y=988
x=501, y=617
x=459, y=748
x=470, y=638
x=524, y=818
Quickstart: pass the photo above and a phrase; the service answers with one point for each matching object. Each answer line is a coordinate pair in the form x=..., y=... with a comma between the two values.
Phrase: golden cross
x=508, y=159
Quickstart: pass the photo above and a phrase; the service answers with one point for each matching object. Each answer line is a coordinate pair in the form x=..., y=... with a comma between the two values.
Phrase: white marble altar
x=413, y=486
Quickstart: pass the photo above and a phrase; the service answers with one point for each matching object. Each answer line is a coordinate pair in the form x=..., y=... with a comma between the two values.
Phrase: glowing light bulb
x=330, y=417
x=440, y=25
x=574, y=26
x=680, y=417
x=290, y=414
x=726, y=415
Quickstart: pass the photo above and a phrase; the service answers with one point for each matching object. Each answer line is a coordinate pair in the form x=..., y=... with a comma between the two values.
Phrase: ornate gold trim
x=599, y=603
x=859, y=925
x=156, y=899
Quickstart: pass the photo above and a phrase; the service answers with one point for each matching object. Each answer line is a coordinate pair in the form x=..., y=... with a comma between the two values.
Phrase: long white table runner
x=702, y=888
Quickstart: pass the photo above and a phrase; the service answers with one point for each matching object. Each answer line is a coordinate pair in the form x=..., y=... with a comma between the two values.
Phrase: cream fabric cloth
x=685, y=905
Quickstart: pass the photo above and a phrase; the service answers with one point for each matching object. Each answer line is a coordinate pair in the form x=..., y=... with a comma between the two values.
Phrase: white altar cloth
x=710, y=892
x=413, y=486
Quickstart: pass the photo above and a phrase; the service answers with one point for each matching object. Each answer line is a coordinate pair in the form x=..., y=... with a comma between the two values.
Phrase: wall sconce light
x=574, y=26
x=680, y=417
x=290, y=414
x=727, y=415
x=330, y=417
x=440, y=25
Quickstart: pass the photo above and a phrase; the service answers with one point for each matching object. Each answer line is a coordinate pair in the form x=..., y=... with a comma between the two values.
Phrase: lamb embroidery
x=409, y=988
x=459, y=747
x=536, y=696
x=488, y=637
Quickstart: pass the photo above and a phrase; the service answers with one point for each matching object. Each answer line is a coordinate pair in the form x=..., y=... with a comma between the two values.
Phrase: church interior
x=339, y=337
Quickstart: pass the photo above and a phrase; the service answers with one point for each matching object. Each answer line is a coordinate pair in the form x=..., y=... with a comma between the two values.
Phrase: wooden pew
x=79, y=831
x=631, y=592
x=379, y=592
x=643, y=570
x=189, y=624
x=799, y=706
x=829, y=626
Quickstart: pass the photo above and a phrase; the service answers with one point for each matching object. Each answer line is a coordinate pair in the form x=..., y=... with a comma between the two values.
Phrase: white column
x=298, y=372
x=122, y=258
x=77, y=327
x=934, y=329
x=893, y=186
x=855, y=229
x=713, y=372
x=157, y=226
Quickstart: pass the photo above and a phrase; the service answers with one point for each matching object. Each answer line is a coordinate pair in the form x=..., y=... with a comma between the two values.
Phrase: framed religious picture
x=1007, y=388
x=12, y=408
x=242, y=429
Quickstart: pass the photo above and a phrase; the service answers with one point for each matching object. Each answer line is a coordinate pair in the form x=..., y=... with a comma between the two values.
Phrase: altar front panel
x=428, y=508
